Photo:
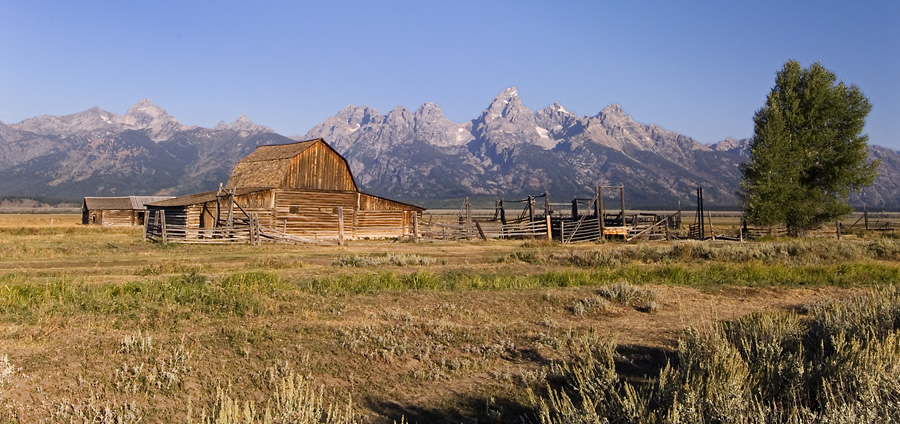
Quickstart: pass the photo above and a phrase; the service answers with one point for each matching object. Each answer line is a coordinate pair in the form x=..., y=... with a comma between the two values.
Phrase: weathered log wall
x=300, y=214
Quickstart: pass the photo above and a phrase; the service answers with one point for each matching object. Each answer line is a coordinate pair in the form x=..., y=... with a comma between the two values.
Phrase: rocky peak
x=555, y=118
x=92, y=119
x=340, y=130
x=244, y=126
x=431, y=126
x=147, y=116
x=730, y=145
x=615, y=123
x=555, y=112
x=400, y=116
x=613, y=115
x=612, y=127
x=429, y=112
x=507, y=107
x=506, y=122
x=557, y=109
x=358, y=116
x=144, y=114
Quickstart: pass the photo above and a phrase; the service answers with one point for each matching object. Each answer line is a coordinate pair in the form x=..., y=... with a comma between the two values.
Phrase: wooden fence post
x=702, y=229
x=146, y=224
x=162, y=219
x=468, y=219
x=549, y=229
x=866, y=217
x=415, y=227
x=547, y=203
x=744, y=231
x=601, y=220
x=531, y=209
x=480, y=230
x=230, y=211
x=837, y=226
x=254, y=229
x=340, y=216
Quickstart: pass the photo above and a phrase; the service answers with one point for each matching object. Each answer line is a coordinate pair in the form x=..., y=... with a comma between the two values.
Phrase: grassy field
x=97, y=325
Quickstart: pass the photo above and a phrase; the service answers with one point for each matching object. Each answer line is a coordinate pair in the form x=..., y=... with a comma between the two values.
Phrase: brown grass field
x=97, y=325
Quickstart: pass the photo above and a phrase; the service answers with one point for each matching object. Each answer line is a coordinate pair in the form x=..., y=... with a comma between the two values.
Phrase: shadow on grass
x=463, y=409
x=638, y=365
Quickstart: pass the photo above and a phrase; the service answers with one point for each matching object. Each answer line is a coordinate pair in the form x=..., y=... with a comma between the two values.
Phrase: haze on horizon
x=701, y=70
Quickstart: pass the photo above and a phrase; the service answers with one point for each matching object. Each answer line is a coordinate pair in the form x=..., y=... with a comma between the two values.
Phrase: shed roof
x=121, y=203
x=206, y=196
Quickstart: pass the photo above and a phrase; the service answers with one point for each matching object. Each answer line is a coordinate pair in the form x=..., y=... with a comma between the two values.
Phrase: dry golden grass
x=96, y=324
x=30, y=220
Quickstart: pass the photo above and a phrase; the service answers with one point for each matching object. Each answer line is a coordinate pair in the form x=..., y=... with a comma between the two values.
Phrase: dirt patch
x=423, y=354
x=430, y=355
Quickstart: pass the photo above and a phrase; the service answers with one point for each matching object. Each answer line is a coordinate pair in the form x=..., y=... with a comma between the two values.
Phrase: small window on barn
x=295, y=210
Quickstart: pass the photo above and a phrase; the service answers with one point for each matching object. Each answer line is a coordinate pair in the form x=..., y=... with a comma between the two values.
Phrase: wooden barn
x=116, y=211
x=291, y=192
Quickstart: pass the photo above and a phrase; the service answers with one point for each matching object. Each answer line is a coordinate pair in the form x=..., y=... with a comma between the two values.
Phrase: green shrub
x=639, y=298
x=593, y=392
x=396, y=259
x=840, y=364
x=294, y=399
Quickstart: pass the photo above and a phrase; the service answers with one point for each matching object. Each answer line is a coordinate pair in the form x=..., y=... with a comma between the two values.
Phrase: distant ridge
x=510, y=150
x=146, y=151
x=507, y=151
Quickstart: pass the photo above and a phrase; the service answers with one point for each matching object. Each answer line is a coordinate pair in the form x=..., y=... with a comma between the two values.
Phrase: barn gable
x=306, y=165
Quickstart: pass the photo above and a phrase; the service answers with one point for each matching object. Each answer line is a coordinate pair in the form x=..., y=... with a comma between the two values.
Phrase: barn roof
x=266, y=168
x=121, y=203
x=268, y=165
x=279, y=151
x=206, y=196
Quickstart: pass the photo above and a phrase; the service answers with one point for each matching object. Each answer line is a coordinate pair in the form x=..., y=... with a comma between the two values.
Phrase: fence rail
x=247, y=229
x=484, y=229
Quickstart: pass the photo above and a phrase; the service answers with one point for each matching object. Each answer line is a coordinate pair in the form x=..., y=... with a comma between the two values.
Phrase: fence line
x=249, y=231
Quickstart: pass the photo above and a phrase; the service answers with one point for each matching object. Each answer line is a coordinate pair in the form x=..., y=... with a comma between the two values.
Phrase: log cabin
x=300, y=191
x=116, y=211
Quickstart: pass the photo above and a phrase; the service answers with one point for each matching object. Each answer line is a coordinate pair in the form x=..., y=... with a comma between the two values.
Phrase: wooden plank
x=146, y=225
x=340, y=217
x=162, y=219
x=116, y=217
x=647, y=229
x=480, y=230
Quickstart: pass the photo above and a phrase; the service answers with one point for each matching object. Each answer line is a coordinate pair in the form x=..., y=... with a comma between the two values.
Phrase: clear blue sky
x=700, y=68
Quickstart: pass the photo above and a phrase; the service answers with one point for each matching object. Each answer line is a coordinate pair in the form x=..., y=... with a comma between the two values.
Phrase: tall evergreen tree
x=807, y=152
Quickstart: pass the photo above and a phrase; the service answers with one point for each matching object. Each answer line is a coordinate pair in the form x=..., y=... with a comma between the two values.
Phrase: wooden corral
x=294, y=192
x=116, y=211
x=581, y=220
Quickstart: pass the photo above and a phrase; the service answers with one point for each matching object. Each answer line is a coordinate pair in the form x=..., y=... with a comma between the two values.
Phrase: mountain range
x=420, y=156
